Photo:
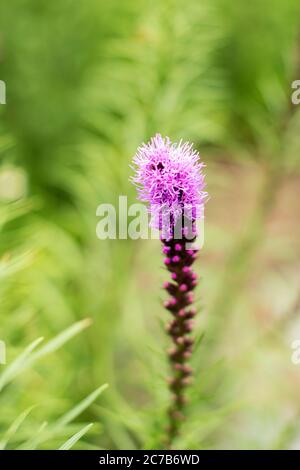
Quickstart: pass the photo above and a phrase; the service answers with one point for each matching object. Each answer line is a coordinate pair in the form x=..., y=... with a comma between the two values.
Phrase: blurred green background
x=87, y=82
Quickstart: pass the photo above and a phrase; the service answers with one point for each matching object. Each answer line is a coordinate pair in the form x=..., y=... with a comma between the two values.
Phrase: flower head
x=169, y=175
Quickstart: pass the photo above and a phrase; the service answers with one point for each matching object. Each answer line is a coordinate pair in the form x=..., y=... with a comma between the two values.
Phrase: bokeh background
x=87, y=82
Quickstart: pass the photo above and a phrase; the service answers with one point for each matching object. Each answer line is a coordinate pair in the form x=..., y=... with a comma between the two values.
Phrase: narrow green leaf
x=54, y=344
x=18, y=364
x=75, y=438
x=8, y=267
x=12, y=430
x=78, y=409
x=27, y=358
x=31, y=444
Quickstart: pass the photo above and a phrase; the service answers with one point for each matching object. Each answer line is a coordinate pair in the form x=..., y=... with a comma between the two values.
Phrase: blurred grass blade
x=27, y=359
x=72, y=441
x=14, y=427
x=32, y=444
x=14, y=265
x=14, y=210
x=6, y=142
x=78, y=409
x=18, y=364
x=54, y=344
x=54, y=430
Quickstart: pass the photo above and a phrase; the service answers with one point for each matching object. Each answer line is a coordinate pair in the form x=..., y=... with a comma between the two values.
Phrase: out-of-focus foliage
x=86, y=82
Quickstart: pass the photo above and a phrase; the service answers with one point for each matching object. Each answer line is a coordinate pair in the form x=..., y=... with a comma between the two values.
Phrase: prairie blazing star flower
x=169, y=177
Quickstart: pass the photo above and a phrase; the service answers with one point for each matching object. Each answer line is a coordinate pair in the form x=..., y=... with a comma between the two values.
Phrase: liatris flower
x=169, y=177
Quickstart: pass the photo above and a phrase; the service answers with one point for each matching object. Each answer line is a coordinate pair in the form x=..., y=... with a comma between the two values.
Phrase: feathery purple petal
x=169, y=175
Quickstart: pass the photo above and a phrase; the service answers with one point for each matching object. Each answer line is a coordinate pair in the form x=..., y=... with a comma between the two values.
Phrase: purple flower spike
x=169, y=176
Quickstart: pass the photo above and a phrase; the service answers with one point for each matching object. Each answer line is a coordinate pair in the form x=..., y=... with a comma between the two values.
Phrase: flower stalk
x=169, y=178
x=179, y=261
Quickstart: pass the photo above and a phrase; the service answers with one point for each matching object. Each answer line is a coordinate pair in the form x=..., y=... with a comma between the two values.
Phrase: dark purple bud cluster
x=178, y=261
